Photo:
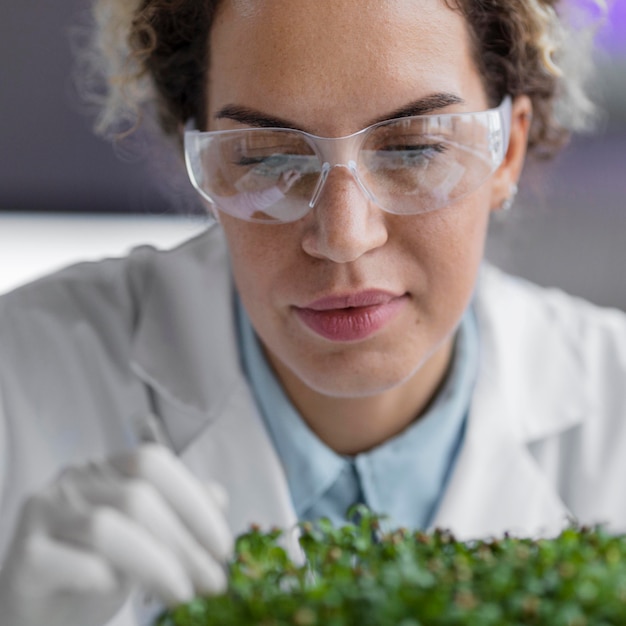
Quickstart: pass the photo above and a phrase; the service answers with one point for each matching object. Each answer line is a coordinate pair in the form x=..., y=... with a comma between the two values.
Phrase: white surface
x=32, y=245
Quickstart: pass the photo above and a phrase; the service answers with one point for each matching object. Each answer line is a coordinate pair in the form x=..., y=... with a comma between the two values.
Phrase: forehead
x=306, y=58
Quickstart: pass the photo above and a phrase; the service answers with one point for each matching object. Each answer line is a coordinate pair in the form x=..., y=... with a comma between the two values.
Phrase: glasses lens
x=410, y=165
x=255, y=174
x=420, y=164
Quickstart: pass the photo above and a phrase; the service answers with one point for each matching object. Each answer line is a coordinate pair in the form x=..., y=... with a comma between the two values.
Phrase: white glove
x=82, y=543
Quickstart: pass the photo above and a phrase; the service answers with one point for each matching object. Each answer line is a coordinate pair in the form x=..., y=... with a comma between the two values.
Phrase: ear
x=509, y=172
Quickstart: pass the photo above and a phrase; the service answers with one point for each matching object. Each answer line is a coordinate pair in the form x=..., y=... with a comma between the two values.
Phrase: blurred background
x=66, y=195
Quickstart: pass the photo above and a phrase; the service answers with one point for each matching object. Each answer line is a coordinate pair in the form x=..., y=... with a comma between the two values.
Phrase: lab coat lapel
x=185, y=351
x=521, y=398
x=184, y=347
x=236, y=451
x=497, y=486
x=233, y=449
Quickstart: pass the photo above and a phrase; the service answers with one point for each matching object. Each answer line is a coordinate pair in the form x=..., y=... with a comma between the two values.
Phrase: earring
x=215, y=214
x=508, y=202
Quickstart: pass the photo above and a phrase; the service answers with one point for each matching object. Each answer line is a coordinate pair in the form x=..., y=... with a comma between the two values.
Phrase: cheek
x=261, y=257
x=448, y=245
x=446, y=249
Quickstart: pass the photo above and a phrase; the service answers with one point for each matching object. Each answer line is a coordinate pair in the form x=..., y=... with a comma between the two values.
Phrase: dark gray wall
x=49, y=158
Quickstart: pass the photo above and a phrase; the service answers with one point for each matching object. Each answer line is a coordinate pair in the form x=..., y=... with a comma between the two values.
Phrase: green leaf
x=358, y=574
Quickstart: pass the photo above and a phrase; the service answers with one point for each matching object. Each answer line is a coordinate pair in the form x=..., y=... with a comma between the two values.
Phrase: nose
x=344, y=223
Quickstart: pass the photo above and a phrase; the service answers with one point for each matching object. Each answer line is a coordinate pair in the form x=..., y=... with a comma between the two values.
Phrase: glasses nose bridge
x=338, y=152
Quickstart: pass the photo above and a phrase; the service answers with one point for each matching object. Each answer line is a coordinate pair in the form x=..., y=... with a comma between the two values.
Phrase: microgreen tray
x=359, y=574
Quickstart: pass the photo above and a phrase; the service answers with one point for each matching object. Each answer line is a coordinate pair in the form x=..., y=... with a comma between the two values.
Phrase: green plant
x=359, y=575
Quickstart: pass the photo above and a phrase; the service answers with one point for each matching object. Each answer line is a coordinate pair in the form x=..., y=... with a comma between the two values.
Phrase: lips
x=351, y=317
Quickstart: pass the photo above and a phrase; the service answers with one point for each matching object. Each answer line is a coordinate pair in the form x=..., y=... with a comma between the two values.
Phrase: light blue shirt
x=403, y=478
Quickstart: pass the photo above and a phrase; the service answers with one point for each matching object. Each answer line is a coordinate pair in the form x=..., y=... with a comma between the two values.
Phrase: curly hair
x=153, y=53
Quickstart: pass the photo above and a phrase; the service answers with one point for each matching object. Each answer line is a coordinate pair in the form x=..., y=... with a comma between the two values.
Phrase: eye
x=270, y=161
x=278, y=164
x=401, y=155
x=269, y=153
x=245, y=161
x=422, y=150
x=246, y=155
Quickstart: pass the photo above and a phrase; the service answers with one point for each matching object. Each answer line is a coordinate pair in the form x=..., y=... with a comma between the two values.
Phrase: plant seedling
x=359, y=574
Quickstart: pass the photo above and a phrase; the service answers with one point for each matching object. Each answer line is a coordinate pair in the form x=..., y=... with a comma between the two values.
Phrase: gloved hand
x=82, y=543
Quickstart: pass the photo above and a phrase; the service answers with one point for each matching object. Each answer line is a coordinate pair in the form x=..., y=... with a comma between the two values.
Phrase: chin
x=357, y=382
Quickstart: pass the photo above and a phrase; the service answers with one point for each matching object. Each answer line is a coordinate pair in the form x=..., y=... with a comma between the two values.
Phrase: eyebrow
x=424, y=106
x=258, y=119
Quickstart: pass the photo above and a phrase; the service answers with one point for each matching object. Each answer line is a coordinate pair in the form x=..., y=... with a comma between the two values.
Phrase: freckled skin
x=332, y=67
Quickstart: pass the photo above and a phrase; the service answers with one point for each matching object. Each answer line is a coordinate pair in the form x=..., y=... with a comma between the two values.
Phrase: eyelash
x=438, y=147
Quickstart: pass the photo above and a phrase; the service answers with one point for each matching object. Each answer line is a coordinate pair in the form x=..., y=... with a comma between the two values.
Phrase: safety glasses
x=405, y=166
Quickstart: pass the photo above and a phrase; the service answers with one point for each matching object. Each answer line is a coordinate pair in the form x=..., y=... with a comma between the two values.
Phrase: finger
x=145, y=505
x=46, y=580
x=218, y=494
x=127, y=547
x=142, y=503
x=49, y=566
x=184, y=493
x=131, y=549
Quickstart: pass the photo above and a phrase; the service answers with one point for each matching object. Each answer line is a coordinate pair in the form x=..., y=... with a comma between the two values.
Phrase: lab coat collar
x=184, y=347
x=237, y=453
x=529, y=389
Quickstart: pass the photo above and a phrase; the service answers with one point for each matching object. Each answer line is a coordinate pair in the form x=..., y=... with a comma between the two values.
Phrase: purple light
x=613, y=35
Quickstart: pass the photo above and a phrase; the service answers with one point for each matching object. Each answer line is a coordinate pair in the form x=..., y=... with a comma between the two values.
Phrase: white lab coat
x=85, y=351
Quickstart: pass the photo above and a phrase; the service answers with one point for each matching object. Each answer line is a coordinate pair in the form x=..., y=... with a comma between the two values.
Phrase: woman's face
x=349, y=300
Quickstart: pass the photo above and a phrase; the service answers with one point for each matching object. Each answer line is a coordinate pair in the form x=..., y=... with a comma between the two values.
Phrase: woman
x=335, y=337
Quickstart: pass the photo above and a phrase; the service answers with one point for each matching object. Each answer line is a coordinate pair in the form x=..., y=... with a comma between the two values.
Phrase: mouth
x=351, y=317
